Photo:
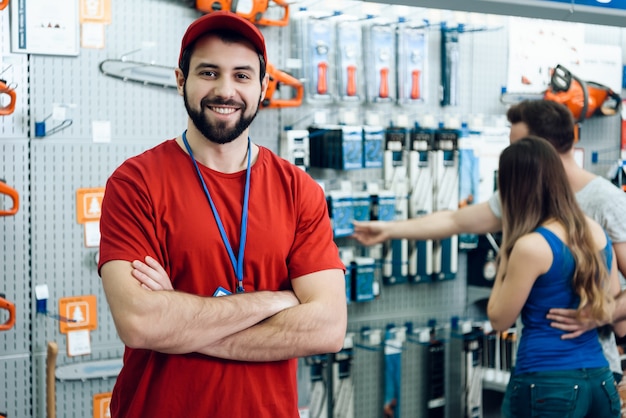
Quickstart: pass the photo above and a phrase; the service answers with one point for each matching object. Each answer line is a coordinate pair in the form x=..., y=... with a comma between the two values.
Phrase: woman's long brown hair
x=533, y=189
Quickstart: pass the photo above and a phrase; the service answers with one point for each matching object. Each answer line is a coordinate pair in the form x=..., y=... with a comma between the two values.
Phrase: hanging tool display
x=436, y=400
x=411, y=62
x=446, y=197
x=349, y=59
x=278, y=79
x=421, y=194
x=7, y=90
x=394, y=339
x=319, y=385
x=256, y=13
x=450, y=56
x=449, y=88
x=13, y=195
x=380, y=44
x=10, y=308
x=140, y=72
x=583, y=98
x=97, y=369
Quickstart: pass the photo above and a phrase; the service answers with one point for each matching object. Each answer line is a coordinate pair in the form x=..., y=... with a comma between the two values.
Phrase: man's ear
x=264, y=85
x=180, y=81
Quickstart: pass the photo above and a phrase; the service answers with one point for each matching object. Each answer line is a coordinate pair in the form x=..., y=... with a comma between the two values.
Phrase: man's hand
x=567, y=320
x=151, y=275
x=370, y=232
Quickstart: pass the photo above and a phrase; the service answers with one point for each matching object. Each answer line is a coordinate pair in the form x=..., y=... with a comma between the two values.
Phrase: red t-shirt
x=154, y=205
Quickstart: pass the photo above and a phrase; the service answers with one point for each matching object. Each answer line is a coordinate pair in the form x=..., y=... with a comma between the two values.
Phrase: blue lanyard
x=236, y=262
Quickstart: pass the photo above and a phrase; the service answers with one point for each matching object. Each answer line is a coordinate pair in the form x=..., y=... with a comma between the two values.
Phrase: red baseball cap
x=223, y=19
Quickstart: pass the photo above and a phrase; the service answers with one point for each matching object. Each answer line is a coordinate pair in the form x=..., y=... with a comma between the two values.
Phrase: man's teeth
x=224, y=110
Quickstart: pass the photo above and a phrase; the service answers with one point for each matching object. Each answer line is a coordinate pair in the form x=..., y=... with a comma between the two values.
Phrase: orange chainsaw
x=255, y=14
x=583, y=98
x=279, y=78
x=3, y=4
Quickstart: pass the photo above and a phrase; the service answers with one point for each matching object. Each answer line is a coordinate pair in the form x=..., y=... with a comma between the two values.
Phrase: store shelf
x=527, y=8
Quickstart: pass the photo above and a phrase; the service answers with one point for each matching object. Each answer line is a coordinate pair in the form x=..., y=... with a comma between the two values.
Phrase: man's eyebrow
x=204, y=65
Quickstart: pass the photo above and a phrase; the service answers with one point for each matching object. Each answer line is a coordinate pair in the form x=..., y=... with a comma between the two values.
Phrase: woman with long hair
x=552, y=255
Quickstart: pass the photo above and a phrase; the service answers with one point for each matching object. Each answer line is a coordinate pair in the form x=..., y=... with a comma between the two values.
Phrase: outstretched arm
x=474, y=219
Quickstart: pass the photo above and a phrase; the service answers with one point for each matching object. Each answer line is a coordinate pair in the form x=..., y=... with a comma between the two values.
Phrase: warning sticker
x=89, y=204
x=79, y=313
x=101, y=405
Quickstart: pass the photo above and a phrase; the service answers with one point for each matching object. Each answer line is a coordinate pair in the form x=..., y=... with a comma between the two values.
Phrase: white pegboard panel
x=483, y=72
x=60, y=259
x=135, y=111
x=14, y=247
x=15, y=395
x=14, y=73
x=73, y=397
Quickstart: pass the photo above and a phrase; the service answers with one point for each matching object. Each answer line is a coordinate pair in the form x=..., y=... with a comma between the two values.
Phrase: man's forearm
x=306, y=329
x=473, y=219
x=177, y=323
x=438, y=225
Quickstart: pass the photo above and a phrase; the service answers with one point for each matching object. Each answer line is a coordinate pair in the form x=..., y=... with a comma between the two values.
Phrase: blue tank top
x=541, y=347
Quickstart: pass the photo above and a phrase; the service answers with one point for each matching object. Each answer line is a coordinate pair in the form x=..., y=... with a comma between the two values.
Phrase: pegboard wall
x=44, y=244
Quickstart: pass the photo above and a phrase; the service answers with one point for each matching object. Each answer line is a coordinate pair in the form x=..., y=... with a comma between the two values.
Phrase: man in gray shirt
x=598, y=198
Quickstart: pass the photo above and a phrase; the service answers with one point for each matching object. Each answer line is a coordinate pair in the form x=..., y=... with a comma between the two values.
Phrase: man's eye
x=243, y=76
x=208, y=73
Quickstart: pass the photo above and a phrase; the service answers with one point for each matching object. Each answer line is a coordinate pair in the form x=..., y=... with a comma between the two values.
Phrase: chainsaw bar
x=139, y=72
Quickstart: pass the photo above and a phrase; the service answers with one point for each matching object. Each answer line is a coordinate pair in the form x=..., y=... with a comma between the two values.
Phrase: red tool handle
x=322, y=84
x=8, y=109
x=351, y=87
x=5, y=304
x=3, y=4
x=383, y=91
x=12, y=193
x=415, y=84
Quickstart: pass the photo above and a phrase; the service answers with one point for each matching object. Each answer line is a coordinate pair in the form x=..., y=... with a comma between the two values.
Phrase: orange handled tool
x=3, y=4
x=5, y=304
x=4, y=89
x=283, y=21
x=415, y=84
x=254, y=14
x=12, y=193
x=51, y=389
x=322, y=84
x=277, y=79
x=351, y=85
x=383, y=91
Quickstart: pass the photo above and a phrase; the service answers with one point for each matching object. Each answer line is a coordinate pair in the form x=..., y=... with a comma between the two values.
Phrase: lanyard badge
x=237, y=262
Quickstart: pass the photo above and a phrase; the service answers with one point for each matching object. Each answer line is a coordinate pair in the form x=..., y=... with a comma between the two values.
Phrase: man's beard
x=218, y=131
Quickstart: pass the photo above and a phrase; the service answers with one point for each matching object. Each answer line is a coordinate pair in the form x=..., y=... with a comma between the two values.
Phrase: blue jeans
x=562, y=394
